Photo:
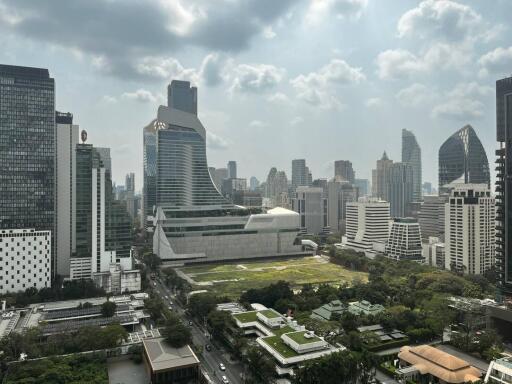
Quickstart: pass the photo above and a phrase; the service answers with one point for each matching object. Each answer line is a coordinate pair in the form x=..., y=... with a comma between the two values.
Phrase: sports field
x=234, y=278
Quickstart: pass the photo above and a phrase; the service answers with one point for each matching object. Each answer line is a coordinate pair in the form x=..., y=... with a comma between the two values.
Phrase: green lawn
x=270, y=314
x=233, y=278
x=299, y=338
x=279, y=346
x=281, y=331
x=246, y=317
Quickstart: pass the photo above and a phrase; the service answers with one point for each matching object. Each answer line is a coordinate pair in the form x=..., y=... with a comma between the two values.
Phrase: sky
x=322, y=80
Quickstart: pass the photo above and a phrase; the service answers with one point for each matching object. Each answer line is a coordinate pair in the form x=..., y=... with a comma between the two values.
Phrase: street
x=210, y=360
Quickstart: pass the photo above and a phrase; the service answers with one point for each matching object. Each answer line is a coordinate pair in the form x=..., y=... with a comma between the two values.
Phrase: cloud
x=342, y=9
x=296, y=121
x=374, y=102
x=316, y=88
x=441, y=19
x=165, y=68
x=119, y=32
x=462, y=103
x=107, y=99
x=268, y=33
x=257, y=124
x=211, y=69
x=396, y=63
x=278, y=98
x=140, y=95
x=415, y=95
x=247, y=78
x=215, y=142
x=497, y=61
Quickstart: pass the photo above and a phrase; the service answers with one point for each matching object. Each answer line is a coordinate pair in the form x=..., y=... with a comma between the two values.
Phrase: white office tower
x=339, y=193
x=25, y=255
x=367, y=223
x=404, y=241
x=311, y=205
x=67, y=139
x=433, y=252
x=470, y=229
x=194, y=222
x=431, y=216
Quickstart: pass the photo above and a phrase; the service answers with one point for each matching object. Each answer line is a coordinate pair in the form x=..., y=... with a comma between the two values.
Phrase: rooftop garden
x=246, y=317
x=279, y=346
x=282, y=331
x=270, y=314
x=299, y=337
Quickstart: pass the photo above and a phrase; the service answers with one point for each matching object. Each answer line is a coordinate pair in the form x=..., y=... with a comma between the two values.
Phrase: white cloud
x=342, y=9
x=140, y=95
x=296, y=121
x=268, y=32
x=211, y=69
x=165, y=68
x=316, y=88
x=109, y=99
x=440, y=19
x=398, y=63
x=278, y=98
x=215, y=142
x=374, y=102
x=415, y=95
x=255, y=77
x=257, y=124
x=497, y=61
x=462, y=103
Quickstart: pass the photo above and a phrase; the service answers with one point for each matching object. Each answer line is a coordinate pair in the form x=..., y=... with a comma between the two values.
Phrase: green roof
x=279, y=346
x=270, y=313
x=246, y=317
x=281, y=331
x=299, y=338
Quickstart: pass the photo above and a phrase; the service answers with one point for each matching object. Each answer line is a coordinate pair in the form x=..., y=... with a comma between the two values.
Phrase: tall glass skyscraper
x=27, y=149
x=149, y=186
x=411, y=154
x=504, y=186
x=462, y=159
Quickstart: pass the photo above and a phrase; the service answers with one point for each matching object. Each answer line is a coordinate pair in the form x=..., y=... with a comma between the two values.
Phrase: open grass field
x=234, y=278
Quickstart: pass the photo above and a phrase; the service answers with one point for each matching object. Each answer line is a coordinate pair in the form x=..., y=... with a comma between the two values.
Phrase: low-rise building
x=166, y=364
x=365, y=307
x=429, y=364
x=326, y=311
x=500, y=371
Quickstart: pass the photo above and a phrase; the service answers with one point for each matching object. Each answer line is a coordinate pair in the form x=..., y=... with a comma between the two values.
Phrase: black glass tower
x=504, y=186
x=462, y=159
x=27, y=149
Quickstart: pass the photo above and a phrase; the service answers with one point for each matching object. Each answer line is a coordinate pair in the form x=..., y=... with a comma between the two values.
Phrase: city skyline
x=249, y=96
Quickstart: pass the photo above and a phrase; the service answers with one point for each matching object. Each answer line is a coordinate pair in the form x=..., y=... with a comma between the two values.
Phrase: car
x=208, y=347
x=222, y=367
x=225, y=380
x=166, y=297
x=190, y=323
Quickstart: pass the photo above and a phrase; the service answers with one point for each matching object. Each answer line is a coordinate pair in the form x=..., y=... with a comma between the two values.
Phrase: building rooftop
x=270, y=314
x=303, y=337
x=246, y=317
x=163, y=357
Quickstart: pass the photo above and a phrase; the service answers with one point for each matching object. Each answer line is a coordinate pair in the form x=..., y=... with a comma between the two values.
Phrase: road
x=209, y=360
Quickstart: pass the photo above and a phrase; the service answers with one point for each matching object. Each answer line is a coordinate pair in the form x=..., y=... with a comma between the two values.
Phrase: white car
x=225, y=380
x=222, y=367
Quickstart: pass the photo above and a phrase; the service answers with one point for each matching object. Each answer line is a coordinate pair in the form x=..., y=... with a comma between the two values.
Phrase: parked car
x=225, y=380
x=222, y=367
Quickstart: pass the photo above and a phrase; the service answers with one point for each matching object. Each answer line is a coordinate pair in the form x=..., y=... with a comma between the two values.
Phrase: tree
x=152, y=260
x=260, y=365
x=108, y=309
x=176, y=333
x=219, y=321
x=154, y=306
x=201, y=304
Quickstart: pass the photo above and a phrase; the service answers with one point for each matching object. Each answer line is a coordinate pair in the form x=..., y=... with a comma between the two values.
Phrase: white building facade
x=470, y=229
x=25, y=259
x=404, y=241
x=367, y=222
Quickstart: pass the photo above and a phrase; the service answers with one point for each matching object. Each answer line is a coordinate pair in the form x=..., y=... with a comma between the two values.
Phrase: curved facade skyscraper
x=411, y=154
x=462, y=159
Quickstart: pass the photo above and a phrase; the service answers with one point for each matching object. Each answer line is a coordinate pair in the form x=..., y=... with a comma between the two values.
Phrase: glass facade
x=462, y=159
x=149, y=188
x=399, y=183
x=504, y=185
x=411, y=154
x=27, y=149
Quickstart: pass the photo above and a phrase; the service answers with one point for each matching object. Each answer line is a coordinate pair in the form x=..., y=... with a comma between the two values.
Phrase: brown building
x=168, y=365
x=428, y=364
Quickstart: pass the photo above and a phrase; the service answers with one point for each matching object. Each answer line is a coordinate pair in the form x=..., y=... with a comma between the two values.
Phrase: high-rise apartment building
x=462, y=159
x=276, y=188
x=27, y=150
x=301, y=176
x=504, y=186
x=311, y=205
x=339, y=193
x=194, y=222
x=411, y=154
x=367, y=222
x=470, y=229
x=379, y=177
x=363, y=185
x=232, y=169
x=67, y=139
x=431, y=216
x=399, y=185
x=404, y=241
x=343, y=169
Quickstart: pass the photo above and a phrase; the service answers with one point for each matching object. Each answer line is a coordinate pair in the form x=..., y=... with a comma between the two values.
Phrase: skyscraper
x=301, y=176
x=149, y=173
x=379, y=177
x=431, y=216
x=462, y=159
x=367, y=222
x=67, y=139
x=363, y=185
x=344, y=170
x=130, y=182
x=232, y=169
x=27, y=150
x=339, y=193
x=470, y=231
x=180, y=95
x=411, y=154
x=504, y=186
x=399, y=184
x=254, y=183
x=311, y=205
x=276, y=188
